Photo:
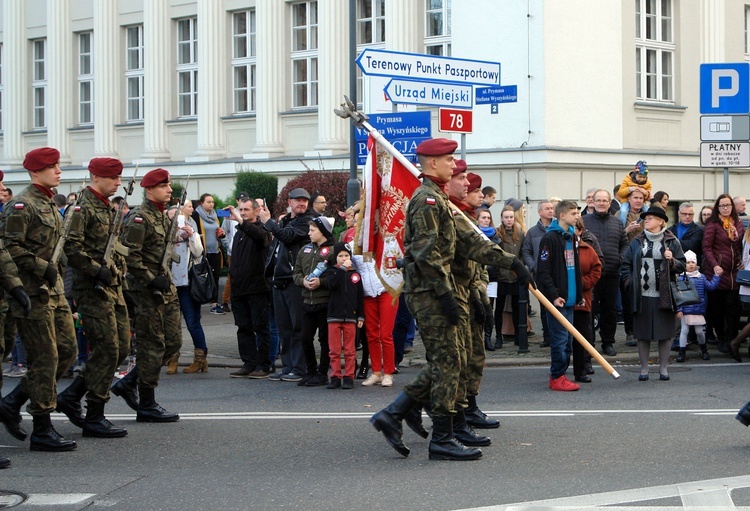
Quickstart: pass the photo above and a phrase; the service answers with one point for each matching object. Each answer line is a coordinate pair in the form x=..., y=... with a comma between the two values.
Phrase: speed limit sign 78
x=453, y=120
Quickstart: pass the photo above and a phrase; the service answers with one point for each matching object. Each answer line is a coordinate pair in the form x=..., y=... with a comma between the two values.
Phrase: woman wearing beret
x=653, y=257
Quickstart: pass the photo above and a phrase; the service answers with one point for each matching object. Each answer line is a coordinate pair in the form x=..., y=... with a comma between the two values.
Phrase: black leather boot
x=476, y=418
x=69, y=401
x=96, y=424
x=150, y=411
x=413, y=419
x=4, y=462
x=704, y=352
x=465, y=434
x=388, y=421
x=744, y=414
x=127, y=388
x=488, y=344
x=10, y=412
x=681, y=355
x=442, y=444
x=45, y=438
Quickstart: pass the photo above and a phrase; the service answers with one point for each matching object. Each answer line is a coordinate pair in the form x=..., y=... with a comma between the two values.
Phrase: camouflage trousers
x=107, y=328
x=476, y=358
x=158, y=332
x=48, y=334
x=438, y=381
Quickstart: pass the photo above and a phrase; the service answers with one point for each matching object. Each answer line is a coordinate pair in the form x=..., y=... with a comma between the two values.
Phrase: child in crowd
x=693, y=315
x=309, y=273
x=637, y=179
x=345, y=315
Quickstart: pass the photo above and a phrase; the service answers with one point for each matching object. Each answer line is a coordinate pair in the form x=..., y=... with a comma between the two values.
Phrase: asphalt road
x=256, y=444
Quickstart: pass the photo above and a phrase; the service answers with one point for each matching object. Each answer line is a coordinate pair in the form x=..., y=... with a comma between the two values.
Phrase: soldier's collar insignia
x=430, y=201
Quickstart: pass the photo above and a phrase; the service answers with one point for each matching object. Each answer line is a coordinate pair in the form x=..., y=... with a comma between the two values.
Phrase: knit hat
x=641, y=168
x=515, y=203
x=324, y=225
x=690, y=257
x=341, y=247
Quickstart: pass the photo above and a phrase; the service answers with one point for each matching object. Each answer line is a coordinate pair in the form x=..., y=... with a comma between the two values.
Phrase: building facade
x=208, y=88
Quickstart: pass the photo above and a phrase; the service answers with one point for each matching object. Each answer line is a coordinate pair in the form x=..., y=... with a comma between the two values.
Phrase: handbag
x=202, y=284
x=684, y=292
x=743, y=277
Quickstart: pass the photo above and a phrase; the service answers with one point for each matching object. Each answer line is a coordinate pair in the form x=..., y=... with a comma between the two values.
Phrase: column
x=15, y=69
x=211, y=78
x=272, y=81
x=59, y=95
x=404, y=22
x=712, y=31
x=107, y=78
x=333, y=77
x=157, y=51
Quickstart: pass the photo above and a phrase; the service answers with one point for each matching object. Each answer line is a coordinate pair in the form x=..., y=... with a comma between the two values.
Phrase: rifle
x=168, y=257
x=113, y=243
x=58, y=252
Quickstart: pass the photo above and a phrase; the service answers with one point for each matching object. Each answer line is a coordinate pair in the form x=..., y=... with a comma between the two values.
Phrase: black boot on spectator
x=69, y=401
x=127, y=388
x=476, y=418
x=704, y=352
x=443, y=446
x=45, y=438
x=10, y=412
x=466, y=434
x=681, y=355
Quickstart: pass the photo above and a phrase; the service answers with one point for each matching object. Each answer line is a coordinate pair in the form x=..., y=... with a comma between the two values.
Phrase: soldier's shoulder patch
x=138, y=219
x=325, y=251
x=430, y=201
x=454, y=212
x=77, y=208
x=355, y=277
x=19, y=205
x=544, y=254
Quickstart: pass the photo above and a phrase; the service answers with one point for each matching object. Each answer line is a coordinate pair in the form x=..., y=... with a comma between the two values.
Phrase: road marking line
x=57, y=499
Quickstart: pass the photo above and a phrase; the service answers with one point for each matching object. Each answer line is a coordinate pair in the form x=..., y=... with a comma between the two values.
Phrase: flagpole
x=349, y=110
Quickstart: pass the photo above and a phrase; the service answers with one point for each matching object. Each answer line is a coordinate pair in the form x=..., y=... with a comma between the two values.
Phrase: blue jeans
x=273, y=348
x=191, y=312
x=560, y=343
x=18, y=353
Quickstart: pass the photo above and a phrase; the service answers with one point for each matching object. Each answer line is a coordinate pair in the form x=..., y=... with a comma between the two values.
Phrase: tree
x=332, y=185
x=258, y=185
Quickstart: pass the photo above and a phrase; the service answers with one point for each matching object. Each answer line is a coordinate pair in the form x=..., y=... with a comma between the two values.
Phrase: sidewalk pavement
x=221, y=338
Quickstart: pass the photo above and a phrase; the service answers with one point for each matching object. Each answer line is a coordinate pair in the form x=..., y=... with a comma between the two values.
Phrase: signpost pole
x=726, y=179
x=463, y=146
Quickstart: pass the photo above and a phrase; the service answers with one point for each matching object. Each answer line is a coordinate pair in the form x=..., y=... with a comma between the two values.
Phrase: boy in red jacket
x=345, y=315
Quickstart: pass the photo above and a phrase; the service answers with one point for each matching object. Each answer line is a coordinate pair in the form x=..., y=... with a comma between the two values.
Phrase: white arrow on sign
x=414, y=92
x=433, y=68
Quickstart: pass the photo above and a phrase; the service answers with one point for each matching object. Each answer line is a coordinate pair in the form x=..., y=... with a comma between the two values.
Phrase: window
x=437, y=31
x=243, y=61
x=654, y=50
x=85, y=79
x=39, y=83
x=134, y=73
x=304, y=54
x=187, y=67
x=370, y=32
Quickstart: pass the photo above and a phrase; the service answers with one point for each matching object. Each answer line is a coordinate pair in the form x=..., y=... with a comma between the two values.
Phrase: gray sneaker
x=291, y=377
x=276, y=376
x=18, y=372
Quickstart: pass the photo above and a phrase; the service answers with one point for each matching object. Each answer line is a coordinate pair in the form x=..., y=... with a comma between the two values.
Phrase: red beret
x=41, y=158
x=105, y=167
x=460, y=167
x=437, y=147
x=475, y=181
x=155, y=177
x=2, y=176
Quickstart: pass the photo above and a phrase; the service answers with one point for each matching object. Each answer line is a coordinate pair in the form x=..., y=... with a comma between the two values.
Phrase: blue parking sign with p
x=725, y=88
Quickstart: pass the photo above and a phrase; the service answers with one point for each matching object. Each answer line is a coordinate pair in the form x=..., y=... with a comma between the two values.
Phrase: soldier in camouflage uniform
x=157, y=308
x=97, y=286
x=431, y=241
x=12, y=284
x=31, y=227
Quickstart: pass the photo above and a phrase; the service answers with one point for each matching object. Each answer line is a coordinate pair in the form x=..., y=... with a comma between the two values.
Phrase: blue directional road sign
x=405, y=130
x=725, y=88
x=496, y=94
x=414, y=92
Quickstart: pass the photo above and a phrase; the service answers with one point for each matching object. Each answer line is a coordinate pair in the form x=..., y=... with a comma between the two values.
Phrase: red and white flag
x=388, y=188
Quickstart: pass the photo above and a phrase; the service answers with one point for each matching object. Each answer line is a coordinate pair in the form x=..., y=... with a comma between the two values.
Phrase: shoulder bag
x=684, y=292
x=743, y=277
x=202, y=285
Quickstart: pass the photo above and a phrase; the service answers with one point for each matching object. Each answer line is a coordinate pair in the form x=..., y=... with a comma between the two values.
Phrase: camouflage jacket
x=145, y=235
x=87, y=241
x=8, y=272
x=30, y=226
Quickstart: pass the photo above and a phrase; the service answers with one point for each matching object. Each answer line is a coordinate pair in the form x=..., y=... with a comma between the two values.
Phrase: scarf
x=209, y=222
x=729, y=227
x=488, y=231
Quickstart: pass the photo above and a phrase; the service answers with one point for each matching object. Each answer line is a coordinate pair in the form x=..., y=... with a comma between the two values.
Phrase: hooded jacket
x=552, y=273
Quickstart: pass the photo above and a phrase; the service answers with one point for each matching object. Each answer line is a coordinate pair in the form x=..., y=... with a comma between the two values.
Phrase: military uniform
x=31, y=226
x=157, y=313
x=8, y=280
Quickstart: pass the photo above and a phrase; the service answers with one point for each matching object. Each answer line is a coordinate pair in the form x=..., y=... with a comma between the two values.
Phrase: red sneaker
x=563, y=384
